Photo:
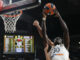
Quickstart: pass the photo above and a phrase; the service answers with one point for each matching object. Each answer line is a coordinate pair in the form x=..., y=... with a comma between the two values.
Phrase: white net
x=10, y=20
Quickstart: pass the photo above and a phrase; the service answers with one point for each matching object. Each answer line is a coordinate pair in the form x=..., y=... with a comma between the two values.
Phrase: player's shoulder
x=59, y=45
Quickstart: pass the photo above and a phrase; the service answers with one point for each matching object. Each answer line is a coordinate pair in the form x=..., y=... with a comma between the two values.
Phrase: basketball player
x=59, y=48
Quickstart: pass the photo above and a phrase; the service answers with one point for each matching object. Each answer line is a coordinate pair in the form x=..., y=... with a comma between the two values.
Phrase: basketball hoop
x=10, y=20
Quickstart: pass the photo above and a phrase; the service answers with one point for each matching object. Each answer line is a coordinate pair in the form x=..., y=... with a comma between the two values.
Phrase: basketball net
x=10, y=20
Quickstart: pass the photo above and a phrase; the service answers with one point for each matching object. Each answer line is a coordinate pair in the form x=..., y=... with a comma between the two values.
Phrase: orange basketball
x=49, y=8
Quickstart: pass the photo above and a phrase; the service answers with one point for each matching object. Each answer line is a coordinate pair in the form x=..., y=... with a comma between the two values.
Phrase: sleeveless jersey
x=59, y=52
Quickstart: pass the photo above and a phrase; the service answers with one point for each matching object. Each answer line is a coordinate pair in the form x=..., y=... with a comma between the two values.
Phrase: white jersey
x=59, y=52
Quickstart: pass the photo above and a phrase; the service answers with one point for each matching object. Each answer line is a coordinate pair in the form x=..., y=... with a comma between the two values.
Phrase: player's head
x=57, y=40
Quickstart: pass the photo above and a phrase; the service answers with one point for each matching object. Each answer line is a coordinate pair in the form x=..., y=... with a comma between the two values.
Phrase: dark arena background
x=70, y=12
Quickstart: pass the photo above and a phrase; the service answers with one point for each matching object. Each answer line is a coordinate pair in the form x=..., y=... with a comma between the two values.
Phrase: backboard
x=11, y=5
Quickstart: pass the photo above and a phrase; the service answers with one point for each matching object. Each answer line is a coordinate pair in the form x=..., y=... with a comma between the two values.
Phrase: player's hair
x=58, y=40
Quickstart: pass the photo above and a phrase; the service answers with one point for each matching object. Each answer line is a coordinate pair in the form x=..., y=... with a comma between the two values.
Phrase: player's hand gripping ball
x=49, y=9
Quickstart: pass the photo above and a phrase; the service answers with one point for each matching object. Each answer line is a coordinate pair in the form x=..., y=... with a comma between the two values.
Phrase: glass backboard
x=11, y=5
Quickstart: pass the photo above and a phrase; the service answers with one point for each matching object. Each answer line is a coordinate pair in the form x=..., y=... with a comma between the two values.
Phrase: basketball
x=49, y=9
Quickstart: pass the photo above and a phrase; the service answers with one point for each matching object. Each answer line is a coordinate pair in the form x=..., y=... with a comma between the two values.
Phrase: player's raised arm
x=65, y=30
x=36, y=24
x=45, y=36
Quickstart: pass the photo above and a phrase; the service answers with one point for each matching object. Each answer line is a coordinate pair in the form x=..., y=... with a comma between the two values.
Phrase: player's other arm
x=45, y=36
x=36, y=24
x=65, y=30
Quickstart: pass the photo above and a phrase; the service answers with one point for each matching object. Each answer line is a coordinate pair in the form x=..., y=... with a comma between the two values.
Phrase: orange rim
x=13, y=15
